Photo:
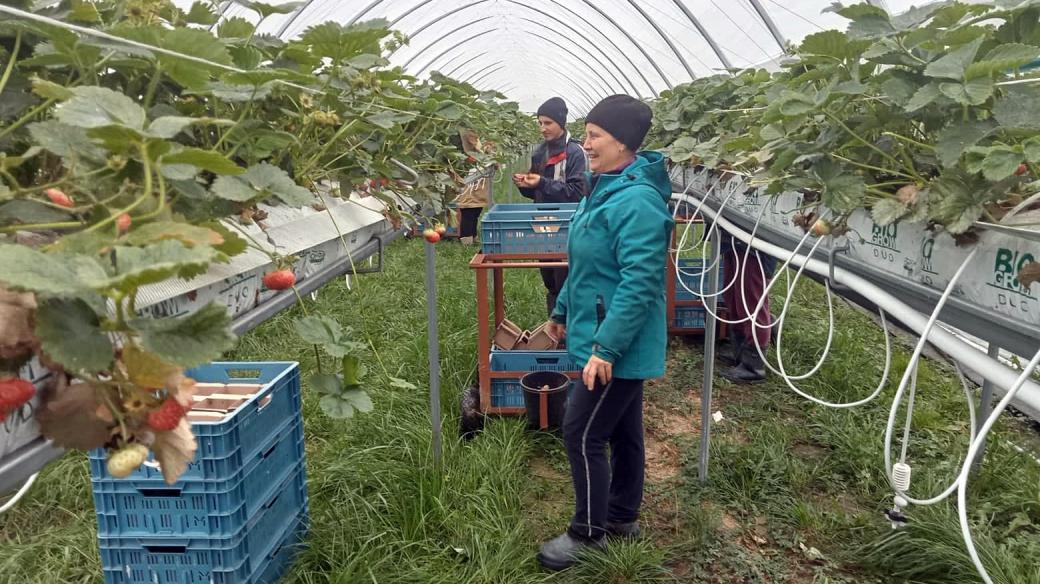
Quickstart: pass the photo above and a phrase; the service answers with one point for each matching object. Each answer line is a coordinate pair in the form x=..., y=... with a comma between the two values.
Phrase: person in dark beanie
x=557, y=175
x=612, y=312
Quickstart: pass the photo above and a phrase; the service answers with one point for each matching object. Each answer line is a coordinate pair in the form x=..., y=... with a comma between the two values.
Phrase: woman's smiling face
x=604, y=151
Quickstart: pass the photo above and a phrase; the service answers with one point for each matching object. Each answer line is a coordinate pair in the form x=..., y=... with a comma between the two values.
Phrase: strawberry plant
x=124, y=167
x=904, y=115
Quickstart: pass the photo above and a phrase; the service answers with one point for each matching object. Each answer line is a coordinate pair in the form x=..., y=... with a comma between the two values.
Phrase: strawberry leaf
x=210, y=160
x=888, y=211
x=954, y=64
x=958, y=137
x=98, y=107
x=70, y=333
x=57, y=275
x=344, y=405
x=190, y=340
x=189, y=235
x=260, y=182
x=69, y=142
x=137, y=266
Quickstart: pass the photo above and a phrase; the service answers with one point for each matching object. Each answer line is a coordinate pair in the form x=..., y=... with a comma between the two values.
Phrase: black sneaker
x=629, y=530
x=742, y=375
x=562, y=552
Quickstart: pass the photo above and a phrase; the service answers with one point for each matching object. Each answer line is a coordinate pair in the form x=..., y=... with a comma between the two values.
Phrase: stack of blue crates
x=238, y=515
x=526, y=228
x=506, y=392
x=688, y=287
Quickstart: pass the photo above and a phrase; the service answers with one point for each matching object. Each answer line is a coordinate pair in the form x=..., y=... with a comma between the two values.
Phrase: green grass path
x=796, y=491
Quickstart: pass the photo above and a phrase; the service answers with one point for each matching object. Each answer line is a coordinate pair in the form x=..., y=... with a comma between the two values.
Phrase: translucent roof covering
x=581, y=50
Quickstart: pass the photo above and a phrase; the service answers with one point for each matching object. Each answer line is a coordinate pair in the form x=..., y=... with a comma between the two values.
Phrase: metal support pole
x=770, y=24
x=491, y=187
x=434, y=349
x=985, y=407
x=710, y=326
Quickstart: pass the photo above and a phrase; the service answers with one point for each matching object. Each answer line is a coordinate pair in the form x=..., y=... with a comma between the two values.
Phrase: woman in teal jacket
x=612, y=311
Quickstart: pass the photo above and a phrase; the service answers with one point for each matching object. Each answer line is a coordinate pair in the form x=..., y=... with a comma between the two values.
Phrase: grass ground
x=796, y=491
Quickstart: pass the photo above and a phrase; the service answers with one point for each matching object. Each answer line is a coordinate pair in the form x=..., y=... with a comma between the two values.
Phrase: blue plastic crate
x=270, y=570
x=689, y=317
x=690, y=274
x=227, y=560
x=225, y=447
x=187, y=508
x=531, y=228
x=281, y=559
x=506, y=392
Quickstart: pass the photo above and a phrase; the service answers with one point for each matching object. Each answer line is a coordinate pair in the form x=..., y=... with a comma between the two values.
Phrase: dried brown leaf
x=70, y=417
x=1029, y=273
x=147, y=370
x=182, y=388
x=174, y=450
x=19, y=341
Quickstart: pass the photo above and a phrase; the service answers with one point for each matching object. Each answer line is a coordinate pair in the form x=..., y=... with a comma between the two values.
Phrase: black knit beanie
x=624, y=117
x=556, y=110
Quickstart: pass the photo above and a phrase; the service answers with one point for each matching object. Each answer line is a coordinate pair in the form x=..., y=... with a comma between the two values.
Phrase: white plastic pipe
x=974, y=360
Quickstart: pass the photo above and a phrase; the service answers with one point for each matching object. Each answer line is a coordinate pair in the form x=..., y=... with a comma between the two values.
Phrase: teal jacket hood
x=617, y=250
x=648, y=169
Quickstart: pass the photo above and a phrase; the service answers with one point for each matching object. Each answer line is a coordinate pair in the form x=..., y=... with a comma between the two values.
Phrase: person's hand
x=556, y=330
x=518, y=179
x=595, y=369
x=531, y=180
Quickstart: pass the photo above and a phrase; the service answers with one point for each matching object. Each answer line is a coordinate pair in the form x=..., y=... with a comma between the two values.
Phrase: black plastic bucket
x=545, y=396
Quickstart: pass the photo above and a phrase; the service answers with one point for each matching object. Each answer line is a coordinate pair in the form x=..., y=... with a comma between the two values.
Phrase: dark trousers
x=553, y=278
x=468, y=224
x=605, y=490
x=749, y=279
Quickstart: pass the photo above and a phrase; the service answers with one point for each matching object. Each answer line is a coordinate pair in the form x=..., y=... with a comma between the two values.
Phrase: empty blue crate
x=689, y=317
x=526, y=229
x=227, y=445
x=195, y=508
x=506, y=392
x=690, y=274
x=242, y=558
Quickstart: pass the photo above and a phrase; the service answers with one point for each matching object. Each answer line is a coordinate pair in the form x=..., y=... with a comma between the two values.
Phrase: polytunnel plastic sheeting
x=531, y=50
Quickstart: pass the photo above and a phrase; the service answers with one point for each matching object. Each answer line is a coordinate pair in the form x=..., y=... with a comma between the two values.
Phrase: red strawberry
x=1022, y=169
x=470, y=159
x=431, y=235
x=279, y=279
x=59, y=198
x=167, y=417
x=123, y=223
x=440, y=229
x=14, y=393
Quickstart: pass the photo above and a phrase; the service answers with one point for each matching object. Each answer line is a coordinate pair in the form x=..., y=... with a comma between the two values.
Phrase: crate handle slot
x=277, y=550
x=264, y=401
x=269, y=451
x=166, y=549
x=243, y=374
x=160, y=492
x=547, y=360
x=273, y=501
